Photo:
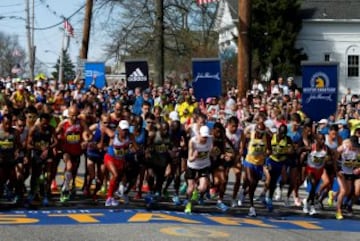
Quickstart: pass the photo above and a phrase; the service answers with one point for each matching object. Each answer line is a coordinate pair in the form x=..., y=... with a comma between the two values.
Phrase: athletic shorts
x=108, y=160
x=258, y=169
x=314, y=171
x=191, y=174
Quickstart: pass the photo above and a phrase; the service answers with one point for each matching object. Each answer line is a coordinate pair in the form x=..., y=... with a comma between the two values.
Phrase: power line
x=62, y=21
x=11, y=5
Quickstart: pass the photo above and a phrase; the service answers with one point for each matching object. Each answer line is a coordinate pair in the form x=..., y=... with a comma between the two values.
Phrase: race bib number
x=73, y=138
x=5, y=145
x=203, y=155
x=120, y=152
x=161, y=148
x=348, y=163
x=318, y=160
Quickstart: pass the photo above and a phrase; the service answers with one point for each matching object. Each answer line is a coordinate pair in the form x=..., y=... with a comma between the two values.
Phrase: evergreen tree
x=274, y=29
x=68, y=67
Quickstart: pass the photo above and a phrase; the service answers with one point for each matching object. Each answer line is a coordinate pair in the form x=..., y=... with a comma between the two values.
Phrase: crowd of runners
x=143, y=141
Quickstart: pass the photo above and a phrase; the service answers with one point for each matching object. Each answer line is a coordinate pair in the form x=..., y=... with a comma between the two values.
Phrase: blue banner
x=95, y=74
x=206, y=78
x=320, y=89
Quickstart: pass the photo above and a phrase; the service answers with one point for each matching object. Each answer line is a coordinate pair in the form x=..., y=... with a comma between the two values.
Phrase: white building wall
x=336, y=38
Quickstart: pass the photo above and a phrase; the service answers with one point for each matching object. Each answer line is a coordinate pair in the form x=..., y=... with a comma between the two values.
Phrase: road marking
x=194, y=232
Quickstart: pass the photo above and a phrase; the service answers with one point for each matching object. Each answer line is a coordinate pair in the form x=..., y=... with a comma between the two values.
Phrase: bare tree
x=11, y=54
x=187, y=31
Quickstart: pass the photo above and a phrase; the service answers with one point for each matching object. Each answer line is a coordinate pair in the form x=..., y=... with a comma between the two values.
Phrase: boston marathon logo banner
x=137, y=74
x=320, y=89
x=95, y=74
x=206, y=78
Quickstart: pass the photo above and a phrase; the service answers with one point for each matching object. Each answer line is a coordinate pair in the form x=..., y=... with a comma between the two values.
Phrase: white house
x=330, y=32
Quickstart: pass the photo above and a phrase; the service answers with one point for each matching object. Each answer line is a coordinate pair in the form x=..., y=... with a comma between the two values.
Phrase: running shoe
x=188, y=208
x=312, y=210
x=287, y=202
x=137, y=196
x=145, y=188
x=305, y=206
x=125, y=198
x=54, y=186
x=166, y=194
x=183, y=188
x=201, y=201
x=297, y=202
x=330, y=200
x=111, y=202
x=252, y=212
x=349, y=209
x=278, y=194
x=269, y=204
x=339, y=216
x=64, y=196
x=234, y=203
x=222, y=206
x=241, y=197
x=149, y=199
x=45, y=202
x=103, y=189
x=195, y=196
x=213, y=193
x=176, y=200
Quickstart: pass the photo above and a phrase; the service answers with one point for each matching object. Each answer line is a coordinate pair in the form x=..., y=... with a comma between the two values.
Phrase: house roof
x=319, y=9
x=331, y=9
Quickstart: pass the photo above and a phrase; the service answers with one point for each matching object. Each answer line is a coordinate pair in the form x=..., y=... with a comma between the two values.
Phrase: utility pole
x=86, y=30
x=243, y=71
x=33, y=47
x=159, y=35
x=29, y=38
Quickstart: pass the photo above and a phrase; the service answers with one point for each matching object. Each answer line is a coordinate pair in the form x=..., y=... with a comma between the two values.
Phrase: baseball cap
x=204, y=131
x=323, y=121
x=124, y=125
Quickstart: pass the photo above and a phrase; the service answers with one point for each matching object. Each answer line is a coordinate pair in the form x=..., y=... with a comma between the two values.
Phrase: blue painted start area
x=124, y=216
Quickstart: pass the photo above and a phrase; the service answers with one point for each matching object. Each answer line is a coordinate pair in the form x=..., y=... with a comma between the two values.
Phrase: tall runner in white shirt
x=198, y=166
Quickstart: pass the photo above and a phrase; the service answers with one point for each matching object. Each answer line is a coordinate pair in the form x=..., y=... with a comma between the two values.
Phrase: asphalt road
x=82, y=219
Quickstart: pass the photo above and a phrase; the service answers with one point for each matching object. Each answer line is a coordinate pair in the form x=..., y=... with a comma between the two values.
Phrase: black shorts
x=349, y=177
x=197, y=173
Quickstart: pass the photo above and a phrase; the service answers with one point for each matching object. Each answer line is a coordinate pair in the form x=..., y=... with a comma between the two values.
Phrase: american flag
x=16, y=53
x=201, y=2
x=68, y=28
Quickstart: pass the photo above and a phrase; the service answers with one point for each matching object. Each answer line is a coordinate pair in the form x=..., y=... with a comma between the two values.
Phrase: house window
x=353, y=65
x=327, y=57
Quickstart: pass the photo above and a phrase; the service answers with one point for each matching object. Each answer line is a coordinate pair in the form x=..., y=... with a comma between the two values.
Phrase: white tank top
x=203, y=150
x=332, y=145
x=235, y=138
x=348, y=160
x=316, y=159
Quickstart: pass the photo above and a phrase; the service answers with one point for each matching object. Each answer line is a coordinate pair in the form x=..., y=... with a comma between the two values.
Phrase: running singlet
x=317, y=159
x=256, y=150
x=92, y=150
x=7, y=147
x=41, y=140
x=279, y=149
x=349, y=160
x=235, y=139
x=119, y=149
x=161, y=144
x=203, y=159
x=72, y=138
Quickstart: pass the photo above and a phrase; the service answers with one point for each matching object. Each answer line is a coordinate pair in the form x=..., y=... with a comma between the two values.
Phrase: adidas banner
x=206, y=78
x=137, y=74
